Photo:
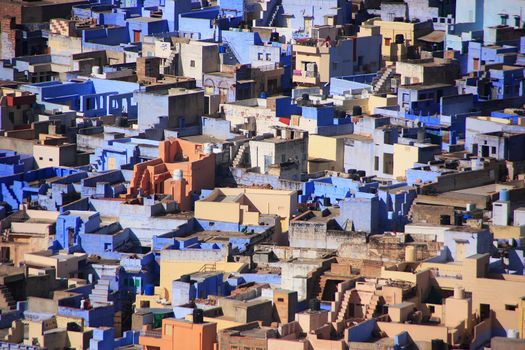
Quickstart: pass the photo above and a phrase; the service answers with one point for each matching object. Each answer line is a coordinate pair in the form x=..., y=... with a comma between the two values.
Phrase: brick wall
x=7, y=37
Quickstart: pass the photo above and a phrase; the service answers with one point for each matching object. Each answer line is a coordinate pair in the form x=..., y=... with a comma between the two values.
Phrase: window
x=40, y=158
x=268, y=56
x=510, y=307
x=484, y=311
x=260, y=56
x=247, y=348
x=376, y=163
x=192, y=63
x=234, y=347
x=387, y=41
x=493, y=149
x=432, y=309
x=12, y=117
x=280, y=300
x=50, y=159
x=388, y=163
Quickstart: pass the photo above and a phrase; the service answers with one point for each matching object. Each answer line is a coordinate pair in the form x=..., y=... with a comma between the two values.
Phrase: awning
x=437, y=36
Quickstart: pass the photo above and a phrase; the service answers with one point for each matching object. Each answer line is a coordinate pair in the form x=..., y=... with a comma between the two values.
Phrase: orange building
x=183, y=167
x=180, y=334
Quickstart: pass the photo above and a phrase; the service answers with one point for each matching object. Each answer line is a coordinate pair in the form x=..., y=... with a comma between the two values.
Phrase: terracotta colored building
x=183, y=168
x=180, y=334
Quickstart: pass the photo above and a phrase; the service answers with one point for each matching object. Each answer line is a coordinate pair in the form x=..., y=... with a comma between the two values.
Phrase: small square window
x=510, y=307
x=432, y=309
x=50, y=159
x=192, y=63
x=268, y=56
x=280, y=300
x=40, y=158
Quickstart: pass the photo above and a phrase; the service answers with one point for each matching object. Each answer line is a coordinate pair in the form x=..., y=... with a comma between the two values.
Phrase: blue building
x=93, y=97
x=123, y=153
x=13, y=163
x=50, y=187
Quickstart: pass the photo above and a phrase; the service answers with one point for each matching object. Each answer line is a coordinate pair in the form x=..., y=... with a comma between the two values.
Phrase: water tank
x=444, y=220
x=208, y=148
x=400, y=39
x=459, y=292
x=512, y=333
x=357, y=110
x=438, y=344
x=458, y=219
x=198, y=316
x=475, y=164
x=222, y=49
x=185, y=278
x=453, y=137
x=177, y=174
x=314, y=304
x=263, y=94
x=410, y=253
x=471, y=206
x=421, y=135
x=504, y=195
x=149, y=289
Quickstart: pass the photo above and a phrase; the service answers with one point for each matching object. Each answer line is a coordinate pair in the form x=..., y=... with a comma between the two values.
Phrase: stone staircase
x=9, y=197
x=208, y=268
x=320, y=286
x=239, y=157
x=230, y=55
x=168, y=69
x=343, y=310
x=7, y=302
x=381, y=83
x=373, y=307
x=100, y=294
x=273, y=16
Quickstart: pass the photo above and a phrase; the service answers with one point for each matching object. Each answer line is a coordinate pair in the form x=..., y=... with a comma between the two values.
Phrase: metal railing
x=151, y=333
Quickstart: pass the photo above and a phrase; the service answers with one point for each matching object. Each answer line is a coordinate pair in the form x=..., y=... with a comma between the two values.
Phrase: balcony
x=305, y=77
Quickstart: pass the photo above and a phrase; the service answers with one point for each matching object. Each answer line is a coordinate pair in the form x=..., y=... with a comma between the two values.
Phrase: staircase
x=273, y=16
x=320, y=286
x=343, y=310
x=208, y=268
x=231, y=56
x=7, y=302
x=100, y=294
x=9, y=197
x=169, y=61
x=381, y=83
x=239, y=157
x=375, y=303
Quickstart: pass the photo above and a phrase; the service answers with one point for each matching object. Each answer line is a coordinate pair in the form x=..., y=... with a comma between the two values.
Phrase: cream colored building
x=391, y=51
x=55, y=155
x=317, y=60
x=405, y=156
x=197, y=58
x=246, y=205
x=325, y=153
